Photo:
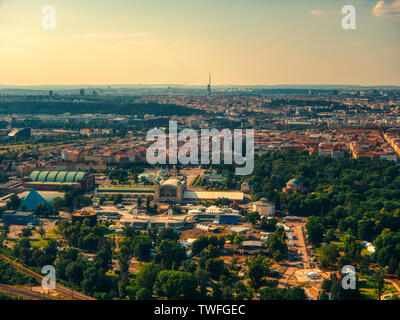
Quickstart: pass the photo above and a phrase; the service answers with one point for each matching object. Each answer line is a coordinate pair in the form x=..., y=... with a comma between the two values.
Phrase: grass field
x=339, y=244
x=42, y=241
x=367, y=289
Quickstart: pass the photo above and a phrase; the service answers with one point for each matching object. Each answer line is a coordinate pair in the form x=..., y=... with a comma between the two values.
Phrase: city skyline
x=178, y=42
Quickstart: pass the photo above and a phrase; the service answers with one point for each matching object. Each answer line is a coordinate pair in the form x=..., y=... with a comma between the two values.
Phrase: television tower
x=209, y=85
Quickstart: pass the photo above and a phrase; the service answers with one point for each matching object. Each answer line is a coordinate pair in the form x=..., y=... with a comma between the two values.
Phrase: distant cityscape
x=78, y=193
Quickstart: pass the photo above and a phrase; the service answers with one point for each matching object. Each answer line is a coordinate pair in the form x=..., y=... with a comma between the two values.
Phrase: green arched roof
x=80, y=175
x=34, y=175
x=61, y=176
x=52, y=176
x=42, y=176
x=70, y=177
x=57, y=176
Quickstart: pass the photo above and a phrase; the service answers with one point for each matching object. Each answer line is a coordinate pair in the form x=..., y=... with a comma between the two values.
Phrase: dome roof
x=295, y=182
x=172, y=182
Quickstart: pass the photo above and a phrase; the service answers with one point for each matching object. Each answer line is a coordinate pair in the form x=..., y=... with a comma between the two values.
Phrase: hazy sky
x=180, y=41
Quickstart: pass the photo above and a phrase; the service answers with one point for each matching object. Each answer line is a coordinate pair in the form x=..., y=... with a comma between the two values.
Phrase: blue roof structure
x=32, y=201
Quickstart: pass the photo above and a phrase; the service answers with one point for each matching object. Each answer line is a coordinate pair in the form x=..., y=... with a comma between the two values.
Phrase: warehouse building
x=213, y=195
x=55, y=180
x=18, y=218
x=223, y=215
x=128, y=191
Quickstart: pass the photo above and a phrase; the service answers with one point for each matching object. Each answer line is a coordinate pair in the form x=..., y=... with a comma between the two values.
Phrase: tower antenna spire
x=209, y=85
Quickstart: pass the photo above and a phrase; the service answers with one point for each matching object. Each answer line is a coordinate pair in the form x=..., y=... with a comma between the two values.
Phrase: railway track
x=23, y=293
x=59, y=288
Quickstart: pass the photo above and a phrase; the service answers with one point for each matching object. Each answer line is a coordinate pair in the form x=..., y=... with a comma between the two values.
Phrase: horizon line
x=5, y=86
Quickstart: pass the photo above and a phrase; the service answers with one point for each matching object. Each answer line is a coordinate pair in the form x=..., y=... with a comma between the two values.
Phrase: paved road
x=13, y=291
x=298, y=233
x=59, y=288
x=288, y=277
x=304, y=247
